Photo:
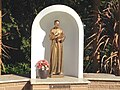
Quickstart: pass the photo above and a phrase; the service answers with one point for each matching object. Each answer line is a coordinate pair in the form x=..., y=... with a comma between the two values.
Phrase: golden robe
x=56, y=58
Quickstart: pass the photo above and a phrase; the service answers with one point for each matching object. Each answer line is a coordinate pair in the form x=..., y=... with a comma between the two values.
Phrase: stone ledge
x=12, y=78
x=91, y=81
x=64, y=80
x=101, y=77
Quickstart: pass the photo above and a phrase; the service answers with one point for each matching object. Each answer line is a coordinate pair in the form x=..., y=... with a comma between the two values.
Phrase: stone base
x=60, y=87
x=65, y=83
x=56, y=76
x=101, y=81
x=14, y=82
x=91, y=81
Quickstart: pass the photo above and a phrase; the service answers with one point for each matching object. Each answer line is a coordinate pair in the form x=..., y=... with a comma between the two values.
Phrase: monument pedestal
x=65, y=83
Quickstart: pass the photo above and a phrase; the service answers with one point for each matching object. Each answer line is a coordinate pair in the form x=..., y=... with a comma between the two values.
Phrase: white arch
x=71, y=21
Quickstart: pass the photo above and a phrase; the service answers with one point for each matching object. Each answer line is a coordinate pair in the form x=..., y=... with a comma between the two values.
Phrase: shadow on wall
x=27, y=86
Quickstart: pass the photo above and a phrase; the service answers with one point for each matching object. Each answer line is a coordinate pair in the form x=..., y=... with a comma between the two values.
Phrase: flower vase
x=43, y=74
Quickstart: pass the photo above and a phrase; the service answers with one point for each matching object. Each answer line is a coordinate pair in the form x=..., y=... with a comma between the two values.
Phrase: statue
x=56, y=58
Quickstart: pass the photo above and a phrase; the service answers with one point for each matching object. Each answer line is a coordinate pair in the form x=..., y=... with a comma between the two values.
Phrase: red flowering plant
x=43, y=65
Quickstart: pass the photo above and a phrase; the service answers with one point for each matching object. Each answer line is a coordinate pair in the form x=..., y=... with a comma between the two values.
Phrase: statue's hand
x=59, y=40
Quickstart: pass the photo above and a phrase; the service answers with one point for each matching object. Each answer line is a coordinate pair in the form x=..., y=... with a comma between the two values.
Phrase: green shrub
x=18, y=68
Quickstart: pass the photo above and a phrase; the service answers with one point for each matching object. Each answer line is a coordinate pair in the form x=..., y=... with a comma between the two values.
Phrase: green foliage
x=25, y=47
x=18, y=68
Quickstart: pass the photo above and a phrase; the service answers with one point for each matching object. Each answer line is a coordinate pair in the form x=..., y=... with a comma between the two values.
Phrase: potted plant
x=43, y=68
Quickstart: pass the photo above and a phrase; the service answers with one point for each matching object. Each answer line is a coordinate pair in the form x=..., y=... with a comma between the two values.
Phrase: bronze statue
x=57, y=37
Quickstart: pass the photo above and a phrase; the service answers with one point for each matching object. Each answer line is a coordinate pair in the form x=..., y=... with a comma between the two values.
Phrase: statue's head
x=57, y=23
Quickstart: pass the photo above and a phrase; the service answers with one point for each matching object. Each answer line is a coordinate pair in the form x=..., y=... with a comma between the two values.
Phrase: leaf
x=106, y=43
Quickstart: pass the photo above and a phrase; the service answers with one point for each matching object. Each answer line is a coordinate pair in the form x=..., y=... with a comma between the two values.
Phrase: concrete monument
x=73, y=45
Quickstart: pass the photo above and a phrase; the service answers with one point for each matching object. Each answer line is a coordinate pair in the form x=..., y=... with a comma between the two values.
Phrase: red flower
x=43, y=64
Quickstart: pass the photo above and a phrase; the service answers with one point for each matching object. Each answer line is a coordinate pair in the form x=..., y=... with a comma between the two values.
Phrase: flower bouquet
x=43, y=69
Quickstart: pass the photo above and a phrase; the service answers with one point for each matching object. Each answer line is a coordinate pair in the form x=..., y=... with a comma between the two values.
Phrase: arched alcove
x=73, y=45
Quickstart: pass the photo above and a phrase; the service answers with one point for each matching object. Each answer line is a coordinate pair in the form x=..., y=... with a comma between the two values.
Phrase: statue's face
x=57, y=24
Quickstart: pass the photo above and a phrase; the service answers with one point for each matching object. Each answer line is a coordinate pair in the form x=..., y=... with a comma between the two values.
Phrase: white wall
x=73, y=46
